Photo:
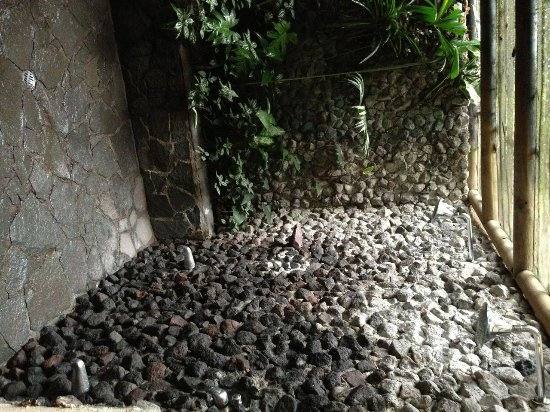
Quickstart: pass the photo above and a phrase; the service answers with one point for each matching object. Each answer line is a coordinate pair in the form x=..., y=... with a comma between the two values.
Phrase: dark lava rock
x=286, y=404
x=123, y=389
x=361, y=395
x=35, y=375
x=58, y=385
x=376, y=377
x=14, y=390
x=320, y=359
x=196, y=368
x=103, y=393
x=49, y=337
x=198, y=342
x=245, y=337
x=427, y=388
x=133, y=362
x=525, y=367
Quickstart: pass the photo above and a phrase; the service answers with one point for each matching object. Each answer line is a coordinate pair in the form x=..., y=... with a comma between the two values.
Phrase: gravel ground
x=376, y=310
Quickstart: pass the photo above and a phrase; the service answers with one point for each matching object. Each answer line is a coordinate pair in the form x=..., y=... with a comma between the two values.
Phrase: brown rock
x=52, y=361
x=354, y=378
x=177, y=320
x=140, y=294
x=230, y=326
x=156, y=371
x=240, y=362
x=106, y=358
x=135, y=395
x=296, y=240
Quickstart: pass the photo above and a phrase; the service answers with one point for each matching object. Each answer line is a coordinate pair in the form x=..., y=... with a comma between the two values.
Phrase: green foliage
x=448, y=22
x=447, y=17
x=428, y=29
x=219, y=27
x=279, y=38
x=290, y=161
x=388, y=24
x=237, y=43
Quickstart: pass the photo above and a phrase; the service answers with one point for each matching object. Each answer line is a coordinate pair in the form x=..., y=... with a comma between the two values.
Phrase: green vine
x=237, y=42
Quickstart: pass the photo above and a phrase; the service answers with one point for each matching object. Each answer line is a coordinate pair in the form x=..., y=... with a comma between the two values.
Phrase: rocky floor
x=375, y=312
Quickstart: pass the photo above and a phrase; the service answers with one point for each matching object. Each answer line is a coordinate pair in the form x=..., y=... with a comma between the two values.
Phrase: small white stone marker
x=188, y=260
x=79, y=378
x=220, y=397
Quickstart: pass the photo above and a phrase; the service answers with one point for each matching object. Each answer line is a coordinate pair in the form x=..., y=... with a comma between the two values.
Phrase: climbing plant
x=240, y=46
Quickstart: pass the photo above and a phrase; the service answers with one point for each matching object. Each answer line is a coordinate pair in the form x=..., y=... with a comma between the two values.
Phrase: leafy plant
x=448, y=21
x=279, y=38
x=237, y=42
x=427, y=29
x=388, y=22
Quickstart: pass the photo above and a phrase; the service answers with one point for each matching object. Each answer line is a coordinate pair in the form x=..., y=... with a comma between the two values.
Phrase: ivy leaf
x=237, y=218
x=269, y=123
x=263, y=139
x=280, y=38
x=184, y=24
x=220, y=26
x=245, y=58
x=227, y=92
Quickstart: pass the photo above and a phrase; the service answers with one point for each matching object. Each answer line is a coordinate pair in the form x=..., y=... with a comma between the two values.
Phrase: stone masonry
x=166, y=142
x=72, y=203
x=418, y=136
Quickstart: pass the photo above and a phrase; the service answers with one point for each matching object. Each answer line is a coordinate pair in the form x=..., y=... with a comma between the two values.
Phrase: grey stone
x=516, y=403
x=490, y=384
x=34, y=226
x=48, y=291
x=508, y=375
x=14, y=324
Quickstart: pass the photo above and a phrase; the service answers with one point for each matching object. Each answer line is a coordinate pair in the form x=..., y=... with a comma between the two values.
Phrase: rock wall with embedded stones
x=172, y=170
x=72, y=204
x=418, y=142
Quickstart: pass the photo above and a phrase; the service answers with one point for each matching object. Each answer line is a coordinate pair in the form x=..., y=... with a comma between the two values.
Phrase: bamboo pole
x=533, y=291
x=537, y=296
x=488, y=110
x=525, y=135
x=498, y=236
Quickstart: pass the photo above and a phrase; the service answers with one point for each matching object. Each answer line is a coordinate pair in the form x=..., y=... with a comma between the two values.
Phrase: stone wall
x=72, y=204
x=174, y=176
x=418, y=141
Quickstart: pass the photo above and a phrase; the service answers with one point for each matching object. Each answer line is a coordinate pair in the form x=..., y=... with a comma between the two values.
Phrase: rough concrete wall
x=173, y=173
x=72, y=204
x=419, y=142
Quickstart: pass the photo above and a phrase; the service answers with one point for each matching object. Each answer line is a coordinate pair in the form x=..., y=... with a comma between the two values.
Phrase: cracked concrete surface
x=72, y=203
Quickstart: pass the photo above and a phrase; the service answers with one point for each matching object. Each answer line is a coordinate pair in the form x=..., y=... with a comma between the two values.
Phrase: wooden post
x=473, y=108
x=525, y=136
x=488, y=110
x=202, y=194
